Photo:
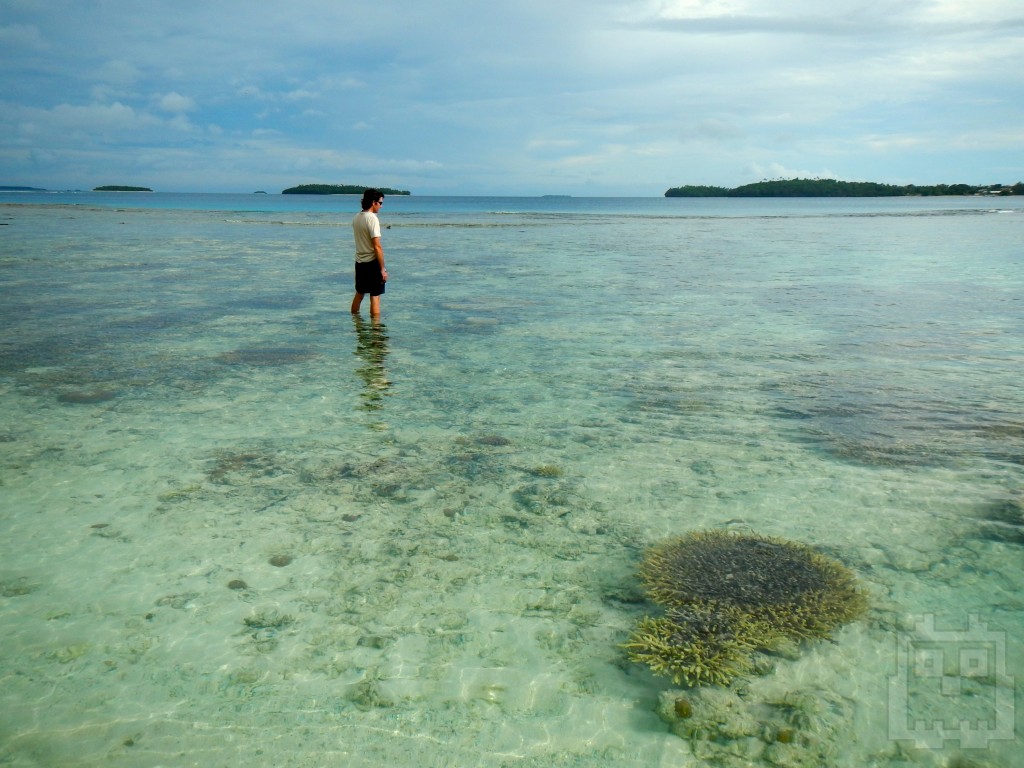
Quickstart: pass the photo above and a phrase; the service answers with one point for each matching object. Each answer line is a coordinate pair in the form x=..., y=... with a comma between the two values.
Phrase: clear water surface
x=240, y=526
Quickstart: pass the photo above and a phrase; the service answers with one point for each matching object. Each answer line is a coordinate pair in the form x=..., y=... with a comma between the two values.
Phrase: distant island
x=834, y=188
x=21, y=189
x=337, y=189
x=117, y=188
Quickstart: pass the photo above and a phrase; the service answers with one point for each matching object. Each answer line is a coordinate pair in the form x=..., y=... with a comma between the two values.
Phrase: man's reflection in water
x=372, y=349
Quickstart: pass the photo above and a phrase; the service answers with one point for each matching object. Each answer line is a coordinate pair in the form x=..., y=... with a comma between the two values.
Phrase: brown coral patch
x=787, y=584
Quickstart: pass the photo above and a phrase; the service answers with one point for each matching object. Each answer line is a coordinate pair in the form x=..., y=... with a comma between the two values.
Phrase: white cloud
x=759, y=172
x=858, y=18
x=22, y=36
x=698, y=9
x=301, y=93
x=182, y=124
x=544, y=145
x=717, y=129
x=117, y=73
x=250, y=91
x=968, y=11
x=96, y=117
x=339, y=83
x=176, y=103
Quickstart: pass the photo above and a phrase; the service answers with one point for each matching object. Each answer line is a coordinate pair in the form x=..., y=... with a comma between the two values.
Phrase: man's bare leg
x=357, y=301
x=374, y=306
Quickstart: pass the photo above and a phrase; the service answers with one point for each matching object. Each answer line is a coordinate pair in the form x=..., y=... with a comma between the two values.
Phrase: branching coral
x=697, y=644
x=727, y=594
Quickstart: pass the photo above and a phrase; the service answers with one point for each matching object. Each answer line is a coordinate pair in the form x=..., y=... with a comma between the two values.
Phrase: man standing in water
x=370, y=272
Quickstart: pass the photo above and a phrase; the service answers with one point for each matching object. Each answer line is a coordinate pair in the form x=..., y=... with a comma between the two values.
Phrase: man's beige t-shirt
x=365, y=227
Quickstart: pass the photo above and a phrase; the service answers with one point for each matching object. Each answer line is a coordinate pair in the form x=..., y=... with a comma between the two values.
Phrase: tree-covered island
x=118, y=188
x=834, y=188
x=337, y=189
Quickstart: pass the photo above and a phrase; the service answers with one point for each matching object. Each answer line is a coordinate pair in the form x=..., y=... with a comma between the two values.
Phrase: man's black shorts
x=368, y=278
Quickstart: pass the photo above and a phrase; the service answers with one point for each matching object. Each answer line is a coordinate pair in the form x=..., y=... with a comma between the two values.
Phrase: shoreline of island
x=836, y=188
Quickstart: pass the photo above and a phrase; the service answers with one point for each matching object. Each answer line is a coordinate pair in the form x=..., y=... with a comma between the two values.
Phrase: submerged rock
x=801, y=729
x=1003, y=521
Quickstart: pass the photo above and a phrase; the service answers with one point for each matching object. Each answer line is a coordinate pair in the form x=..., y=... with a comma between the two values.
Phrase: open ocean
x=240, y=527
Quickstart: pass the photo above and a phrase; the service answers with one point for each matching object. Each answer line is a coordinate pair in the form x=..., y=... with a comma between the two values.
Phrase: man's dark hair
x=370, y=197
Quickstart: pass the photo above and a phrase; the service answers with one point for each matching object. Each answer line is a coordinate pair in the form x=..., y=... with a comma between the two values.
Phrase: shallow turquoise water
x=455, y=500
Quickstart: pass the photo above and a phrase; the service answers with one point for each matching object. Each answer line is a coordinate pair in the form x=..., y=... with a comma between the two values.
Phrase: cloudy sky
x=583, y=97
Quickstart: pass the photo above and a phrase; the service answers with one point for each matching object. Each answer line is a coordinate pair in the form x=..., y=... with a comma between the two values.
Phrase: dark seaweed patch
x=267, y=356
x=87, y=396
x=274, y=301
